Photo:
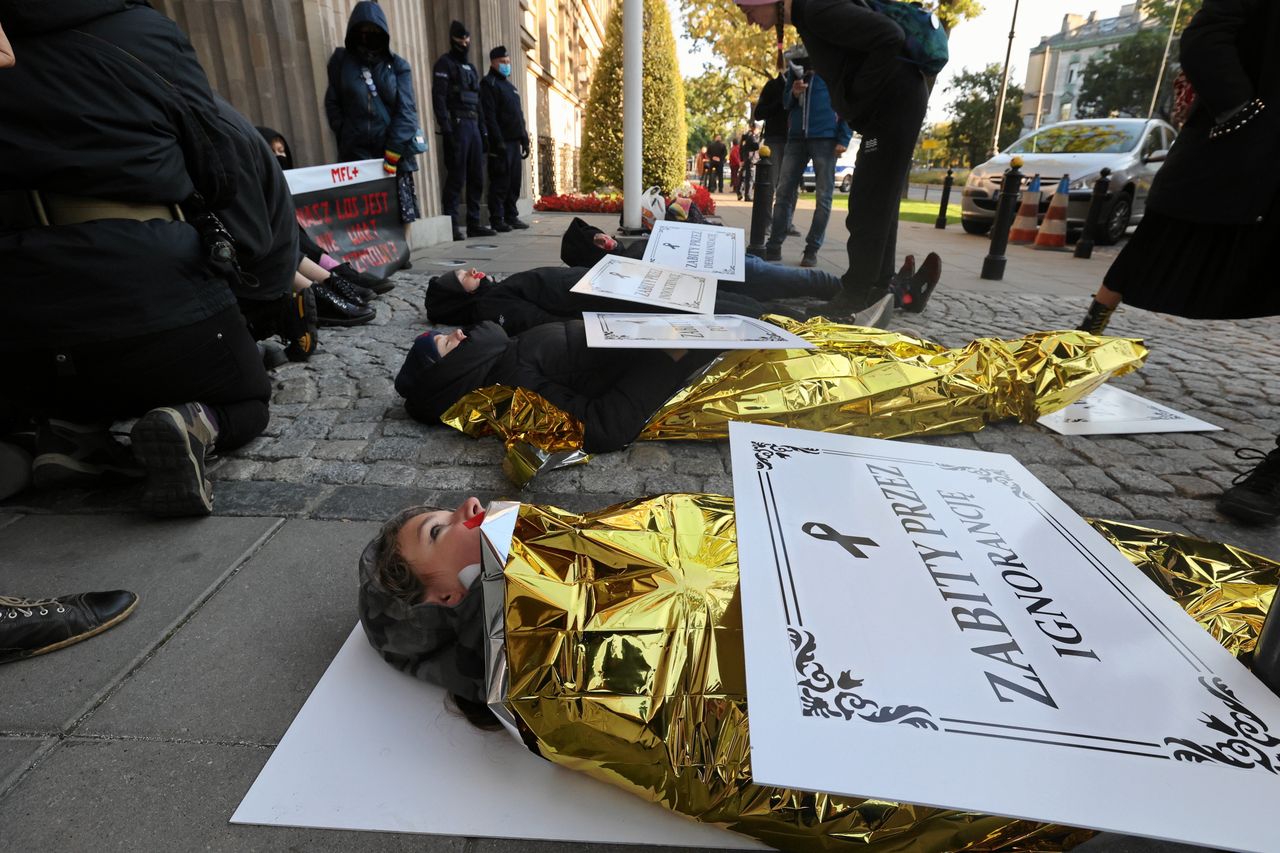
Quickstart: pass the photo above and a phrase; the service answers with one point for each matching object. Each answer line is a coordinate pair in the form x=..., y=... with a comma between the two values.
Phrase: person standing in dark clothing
x=859, y=54
x=455, y=98
x=508, y=140
x=370, y=103
x=716, y=155
x=749, y=152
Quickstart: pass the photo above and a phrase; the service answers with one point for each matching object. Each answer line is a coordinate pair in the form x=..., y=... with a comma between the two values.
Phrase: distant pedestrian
x=1205, y=247
x=748, y=152
x=716, y=155
x=735, y=166
x=700, y=166
x=508, y=140
x=370, y=103
x=455, y=99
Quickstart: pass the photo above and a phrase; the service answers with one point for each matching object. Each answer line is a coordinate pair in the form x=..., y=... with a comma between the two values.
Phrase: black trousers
x=214, y=362
x=464, y=162
x=504, y=181
x=888, y=140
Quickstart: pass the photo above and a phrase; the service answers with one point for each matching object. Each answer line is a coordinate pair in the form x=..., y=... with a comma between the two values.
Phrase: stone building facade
x=268, y=58
x=1055, y=67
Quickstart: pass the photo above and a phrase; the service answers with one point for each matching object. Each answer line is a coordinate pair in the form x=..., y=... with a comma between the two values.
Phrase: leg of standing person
x=823, y=154
x=454, y=153
x=745, y=177
x=515, y=172
x=498, y=177
x=474, y=165
x=788, y=185
x=888, y=140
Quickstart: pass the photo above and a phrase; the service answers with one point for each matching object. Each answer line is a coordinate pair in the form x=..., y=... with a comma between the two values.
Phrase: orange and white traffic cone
x=1024, y=226
x=1053, y=231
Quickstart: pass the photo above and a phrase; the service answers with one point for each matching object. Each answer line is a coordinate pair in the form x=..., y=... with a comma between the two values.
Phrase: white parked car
x=1132, y=148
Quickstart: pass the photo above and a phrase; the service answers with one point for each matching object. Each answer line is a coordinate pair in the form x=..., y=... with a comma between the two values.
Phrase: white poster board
x=686, y=331
x=1114, y=411
x=374, y=749
x=933, y=625
x=638, y=281
x=712, y=250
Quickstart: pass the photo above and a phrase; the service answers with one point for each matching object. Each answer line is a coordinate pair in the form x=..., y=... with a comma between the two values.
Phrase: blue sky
x=973, y=44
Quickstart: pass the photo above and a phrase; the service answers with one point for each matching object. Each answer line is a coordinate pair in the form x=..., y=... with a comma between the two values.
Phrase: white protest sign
x=711, y=250
x=638, y=281
x=932, y=625
x=686, y=331
x=1114, y=411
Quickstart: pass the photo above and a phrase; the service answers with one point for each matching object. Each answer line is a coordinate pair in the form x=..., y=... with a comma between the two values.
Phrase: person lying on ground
x=612, y=392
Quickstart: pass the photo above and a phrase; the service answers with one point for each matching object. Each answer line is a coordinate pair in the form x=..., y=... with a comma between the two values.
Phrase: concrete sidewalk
x=147, y=737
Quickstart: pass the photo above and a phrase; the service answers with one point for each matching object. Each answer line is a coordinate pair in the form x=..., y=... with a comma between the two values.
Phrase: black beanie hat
x=499, y=52
x=457, y=30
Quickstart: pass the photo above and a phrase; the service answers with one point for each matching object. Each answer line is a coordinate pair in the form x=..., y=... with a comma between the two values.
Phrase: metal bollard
x=946, y=199
x=1084, y=246
x=762, y=206
x=993, y=264
x=1266, y=655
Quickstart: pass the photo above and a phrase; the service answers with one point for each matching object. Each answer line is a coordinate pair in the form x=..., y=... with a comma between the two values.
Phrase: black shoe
x=333, y=310
x=900, y=282
x=34, y=626
x=172, y=443
x=480, y=231
x=364, y=279
x=15, y=469
x=1096, y=320
x=1255, y=497
x=349, y=290
x=773, y=253
x=919, y=287
x=517, y=224
x=793, y=231
x=459, y=234
x=809, y=258
x=501, y=227
x=70, y=454
x=299, y=325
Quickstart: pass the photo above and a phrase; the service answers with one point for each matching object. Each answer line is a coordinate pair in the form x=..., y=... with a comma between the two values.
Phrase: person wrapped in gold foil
x=622, y=655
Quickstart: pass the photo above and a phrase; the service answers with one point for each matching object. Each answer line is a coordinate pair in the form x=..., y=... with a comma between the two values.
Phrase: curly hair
x=390, y=568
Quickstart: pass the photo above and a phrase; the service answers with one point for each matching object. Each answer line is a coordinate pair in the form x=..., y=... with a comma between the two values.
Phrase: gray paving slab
x=131, y=796
x=240, y=669
x=16, y=754
x=170, y=565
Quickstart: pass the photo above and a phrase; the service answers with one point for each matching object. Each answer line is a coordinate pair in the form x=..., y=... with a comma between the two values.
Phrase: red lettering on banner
x=313, y=214
x=341, y=174
x=375, y=203
x=348, y=208
x=362, y=232
x=326, y=242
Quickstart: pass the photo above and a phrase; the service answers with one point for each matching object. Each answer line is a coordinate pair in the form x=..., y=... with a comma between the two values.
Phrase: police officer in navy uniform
x=508, y=140
x=455, y=97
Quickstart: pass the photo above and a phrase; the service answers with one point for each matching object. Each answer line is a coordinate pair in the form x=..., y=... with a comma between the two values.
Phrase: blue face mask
x=504, y=68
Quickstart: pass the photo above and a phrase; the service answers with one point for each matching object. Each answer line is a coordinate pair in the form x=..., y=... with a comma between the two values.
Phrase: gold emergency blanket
x=858, y=381
x=623, y=635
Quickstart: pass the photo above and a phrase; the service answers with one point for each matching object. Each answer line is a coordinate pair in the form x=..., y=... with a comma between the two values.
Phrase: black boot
x=1095, y=322
x=500, y=226
x=920, y=285
x=479, y=230
x=1255, y=497
x=33, y=626
x=333, y=310
x=349, y=290
x=364, y=279
x=299, y=325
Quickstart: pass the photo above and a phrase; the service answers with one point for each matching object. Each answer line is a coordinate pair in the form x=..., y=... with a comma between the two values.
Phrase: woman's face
x=438, y=545
x=446, y=344
x=604, y=241
x=470, y=279
x=277, y=145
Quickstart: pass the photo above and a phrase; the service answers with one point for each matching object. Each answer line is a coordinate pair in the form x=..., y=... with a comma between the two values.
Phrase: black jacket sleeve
x=1211, y=55
x=489, y=96
x=440, y=79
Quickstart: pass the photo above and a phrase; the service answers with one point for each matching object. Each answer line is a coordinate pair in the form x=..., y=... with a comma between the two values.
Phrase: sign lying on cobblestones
x=1115, y=411
x=352, y=212
x=686, y=331
x=707, y=249
x=933, y=625
x=638, y=281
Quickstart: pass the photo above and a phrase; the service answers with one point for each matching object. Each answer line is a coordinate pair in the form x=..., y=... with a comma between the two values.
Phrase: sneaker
x=480, y=231
x=172, y=444
x=919, y=287
x=34, y=626
x=518, y=224
x=809, y=258
x=773, y=253
x=333, y=310
x=71, y=454
x=1096, y=319
x=900, y=281
x=1255, y=497
x=349, y=290
x=299, y=325
x=364, y=279
x=501, y=227
x=15, y=469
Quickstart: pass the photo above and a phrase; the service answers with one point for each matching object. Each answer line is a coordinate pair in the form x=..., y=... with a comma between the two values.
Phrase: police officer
x=455, y=97
x=508, y=140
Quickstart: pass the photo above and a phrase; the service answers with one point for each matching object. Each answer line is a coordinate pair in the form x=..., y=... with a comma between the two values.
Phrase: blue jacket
x=365, y=130
x=812, y=116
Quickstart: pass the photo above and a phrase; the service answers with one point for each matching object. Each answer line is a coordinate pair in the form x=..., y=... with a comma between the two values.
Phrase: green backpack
x=926, y=44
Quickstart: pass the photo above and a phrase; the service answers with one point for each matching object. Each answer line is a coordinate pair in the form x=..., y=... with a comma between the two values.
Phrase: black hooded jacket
x=612, y=392
x=122, y=76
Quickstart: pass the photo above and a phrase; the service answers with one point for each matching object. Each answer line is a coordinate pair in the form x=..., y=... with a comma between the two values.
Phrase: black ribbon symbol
x=830, y=534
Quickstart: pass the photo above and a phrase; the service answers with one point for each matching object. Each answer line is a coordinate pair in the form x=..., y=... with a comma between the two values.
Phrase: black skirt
x=1210, y=272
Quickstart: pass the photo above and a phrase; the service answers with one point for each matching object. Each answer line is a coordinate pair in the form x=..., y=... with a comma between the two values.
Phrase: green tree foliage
x=1162, y=11
x=973, y=114
x=713, y=104
x=933, y=149
x=664, y=114
x=1119, y=81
